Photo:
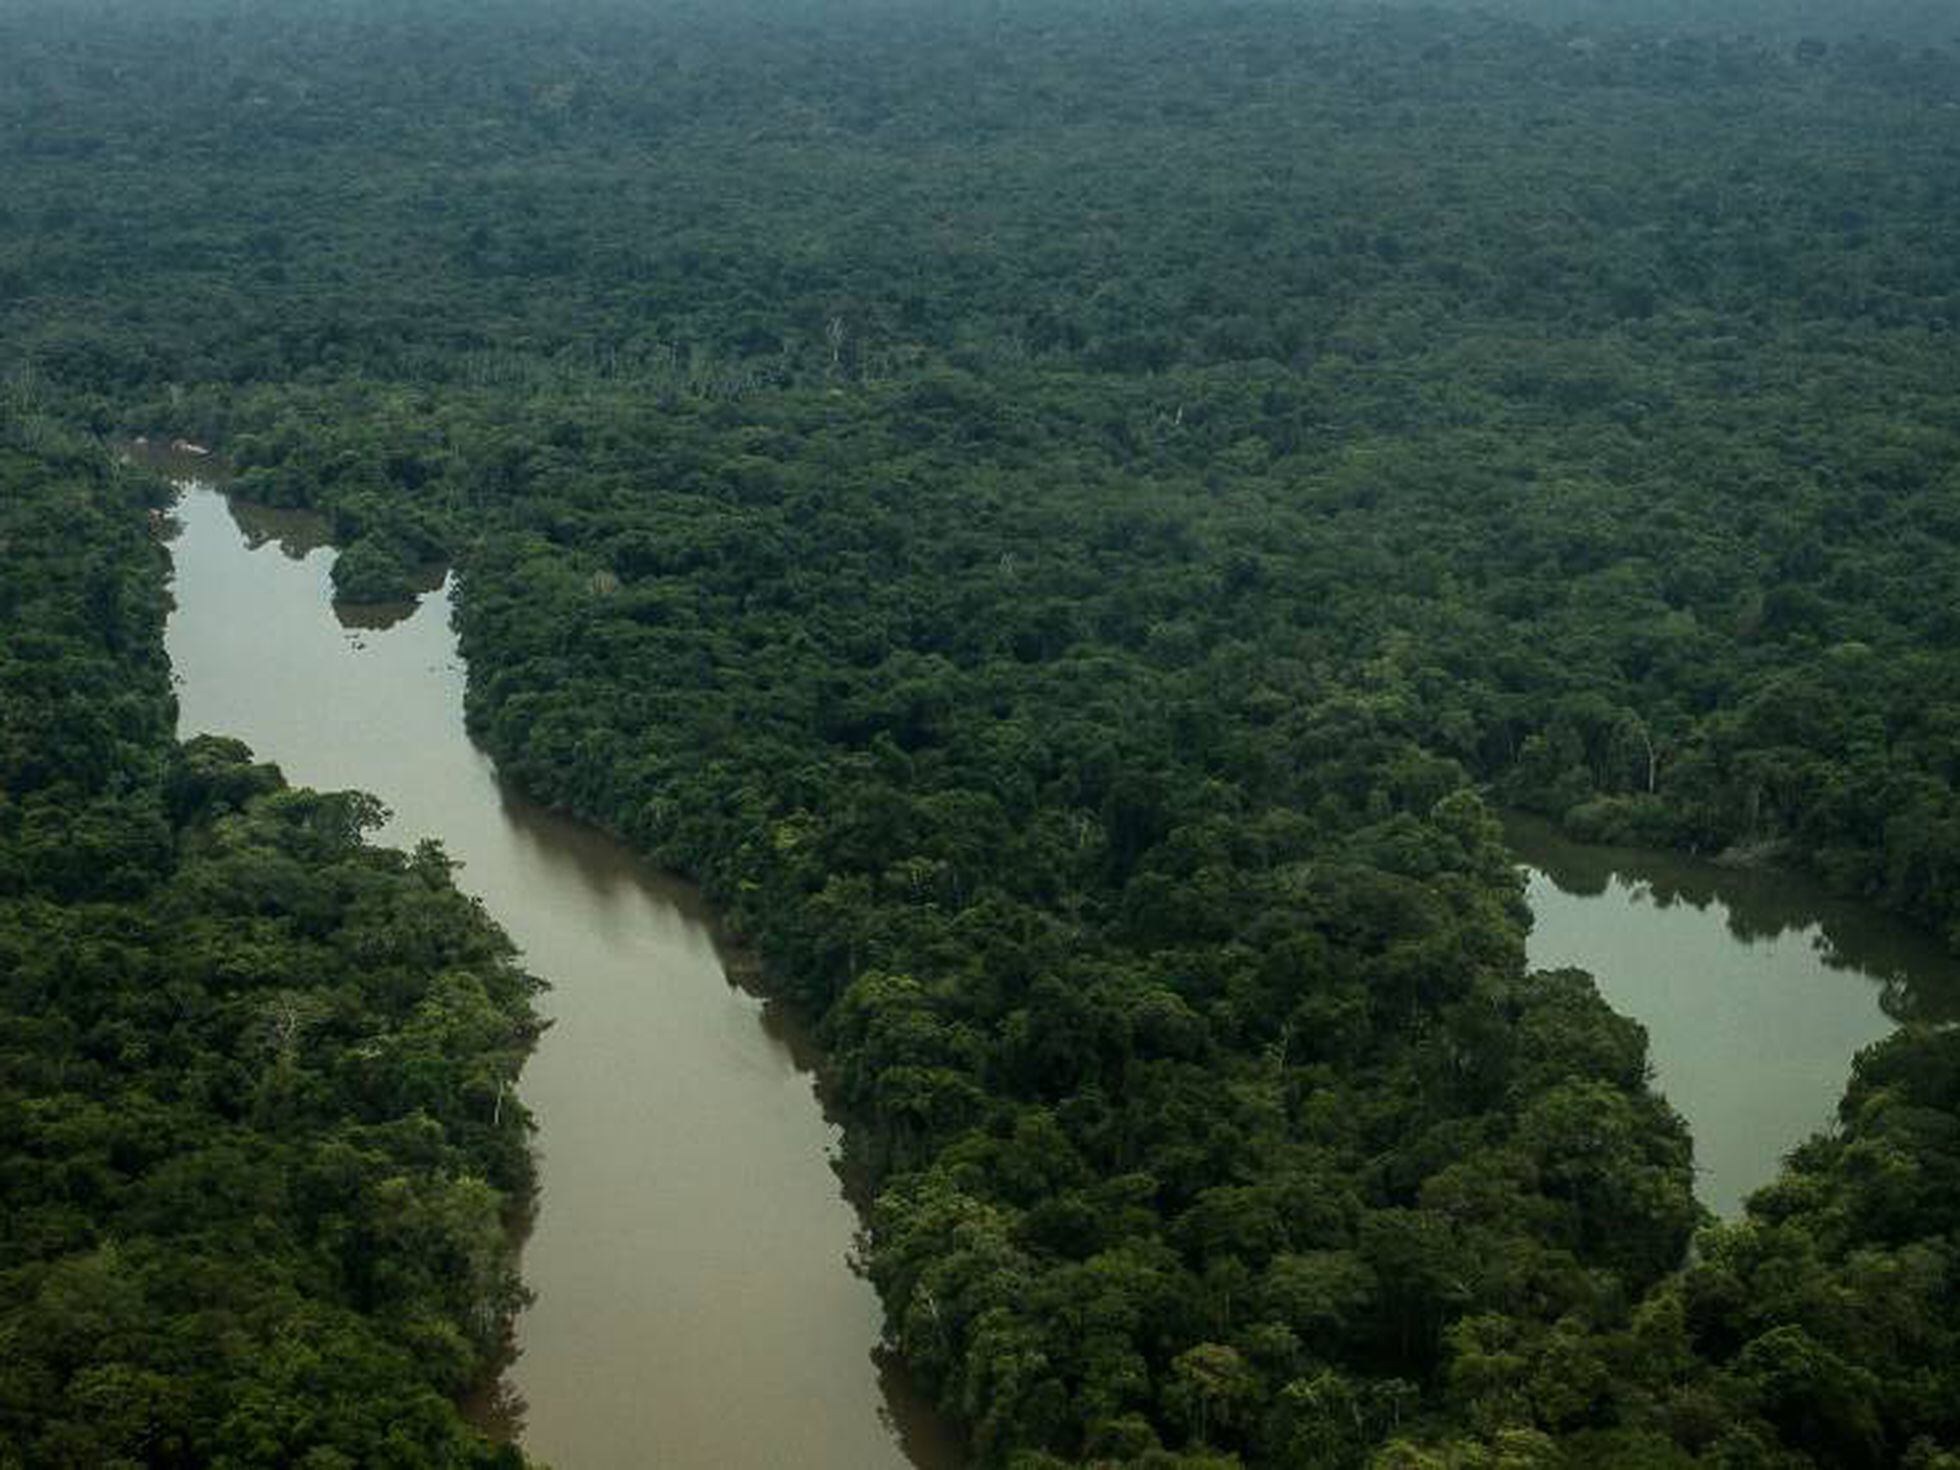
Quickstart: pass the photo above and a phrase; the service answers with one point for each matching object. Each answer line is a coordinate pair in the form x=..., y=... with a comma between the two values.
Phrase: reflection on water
x=695, y=1304
x=1756, y=987
x=300, y=533
x=297, y=533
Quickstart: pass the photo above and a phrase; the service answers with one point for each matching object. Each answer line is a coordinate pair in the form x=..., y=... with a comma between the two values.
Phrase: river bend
x=695, y=1305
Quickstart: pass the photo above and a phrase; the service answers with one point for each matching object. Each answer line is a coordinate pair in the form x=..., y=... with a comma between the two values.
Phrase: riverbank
x=1757, y=986
x=254, y=1116
x=690, y=1261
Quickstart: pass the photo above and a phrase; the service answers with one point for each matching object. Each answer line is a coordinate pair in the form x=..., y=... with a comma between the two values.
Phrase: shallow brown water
x=1756, y=987
x=695, y=1305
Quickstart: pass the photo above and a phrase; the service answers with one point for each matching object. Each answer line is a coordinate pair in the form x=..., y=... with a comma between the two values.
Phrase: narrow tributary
x=695, y=1304
x=1757, y=987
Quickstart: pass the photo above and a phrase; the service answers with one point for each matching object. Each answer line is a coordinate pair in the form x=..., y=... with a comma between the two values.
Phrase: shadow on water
x=378, y=617
x=1756, y=987
x=613, y=873
x=615, y=877
x=691, y=1249
x=926, y=1437
x=300, y=533
x=297, y=533
x=1918, y=979
x=606, y=868
x=495, y=1406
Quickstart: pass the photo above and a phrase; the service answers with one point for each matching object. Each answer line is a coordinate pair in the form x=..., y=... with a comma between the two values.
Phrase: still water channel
x=695, y=1305
x=1756, y=987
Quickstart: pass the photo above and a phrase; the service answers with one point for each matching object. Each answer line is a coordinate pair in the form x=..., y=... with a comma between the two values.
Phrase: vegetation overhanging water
x=694, y=1301
x=1756, y=986
x=1052, y=512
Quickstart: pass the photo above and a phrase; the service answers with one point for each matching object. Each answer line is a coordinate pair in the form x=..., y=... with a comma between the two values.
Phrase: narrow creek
x=1757, y=987
x=695, y=1304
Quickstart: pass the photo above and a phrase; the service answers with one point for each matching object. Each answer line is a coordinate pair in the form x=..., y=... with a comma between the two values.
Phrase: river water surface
x=1756, y=987
x=695, y=1305
x=690, y=1258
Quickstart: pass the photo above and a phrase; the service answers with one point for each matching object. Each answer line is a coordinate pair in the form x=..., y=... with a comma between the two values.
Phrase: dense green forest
x=256, y=1159
x=1064, y=518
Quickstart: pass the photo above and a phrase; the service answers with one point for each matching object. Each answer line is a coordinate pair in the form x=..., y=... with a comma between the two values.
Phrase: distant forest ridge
x=1906, y=22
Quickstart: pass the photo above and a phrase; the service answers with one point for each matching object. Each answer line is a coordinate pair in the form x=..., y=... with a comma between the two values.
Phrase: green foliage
x=369, y=570
x=1051, y=516
x=255, y=1145
x=1820, y=1329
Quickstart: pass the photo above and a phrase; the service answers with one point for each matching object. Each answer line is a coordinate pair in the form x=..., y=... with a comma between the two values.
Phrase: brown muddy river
x=695, y=1304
